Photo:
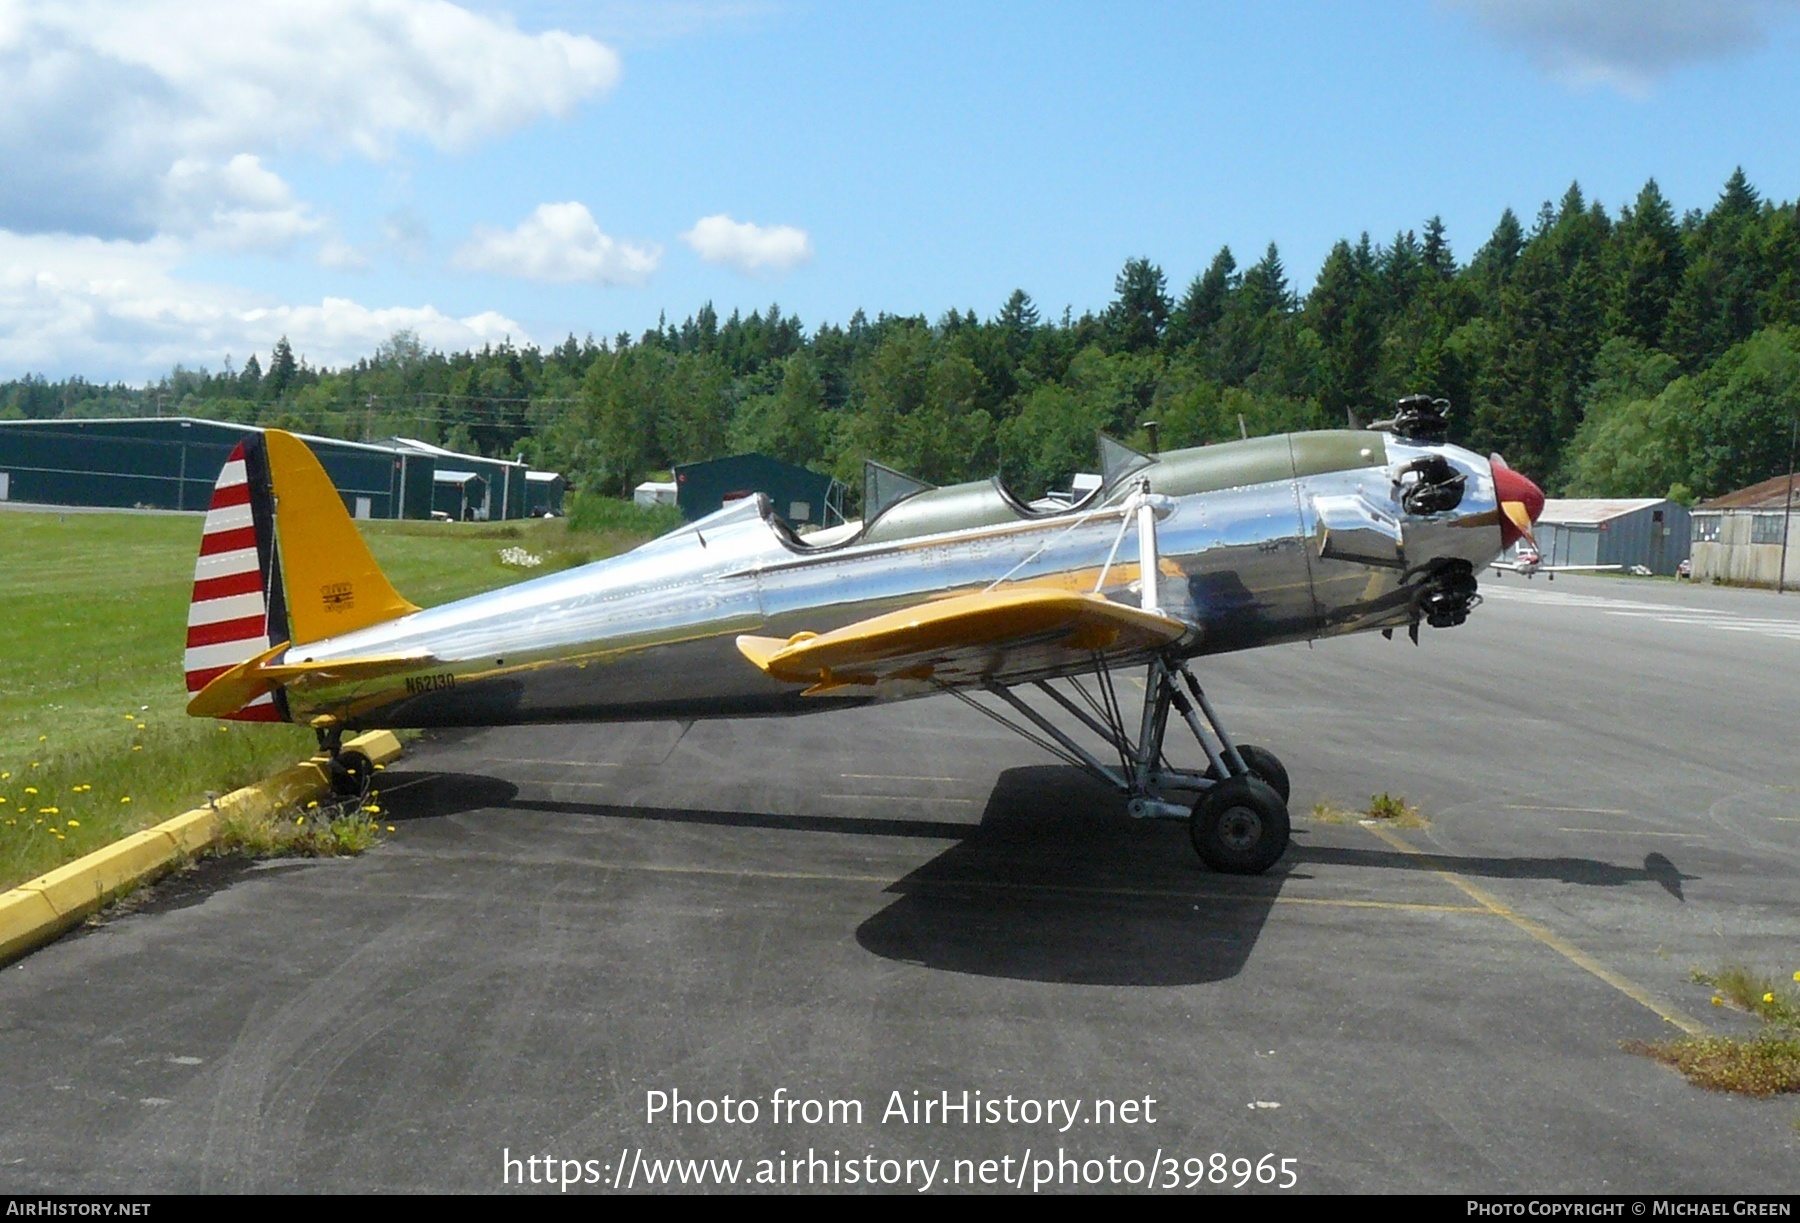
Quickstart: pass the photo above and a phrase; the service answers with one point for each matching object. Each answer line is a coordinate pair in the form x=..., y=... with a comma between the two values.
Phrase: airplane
x=962, y=590
x=1530, y=563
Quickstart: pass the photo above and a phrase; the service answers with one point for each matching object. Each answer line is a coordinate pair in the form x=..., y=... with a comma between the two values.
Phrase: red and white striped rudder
x=228, y=618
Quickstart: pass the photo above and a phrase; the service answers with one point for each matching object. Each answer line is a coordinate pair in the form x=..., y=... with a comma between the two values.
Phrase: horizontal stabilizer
x=993, y=636
x=260, y=675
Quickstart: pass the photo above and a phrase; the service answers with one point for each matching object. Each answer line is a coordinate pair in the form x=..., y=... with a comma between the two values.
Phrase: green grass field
x=94, y=738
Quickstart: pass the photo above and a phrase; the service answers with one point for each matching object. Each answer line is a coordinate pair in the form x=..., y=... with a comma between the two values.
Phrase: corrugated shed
x=1595, y=510
x=1649, y=531
x=1768, y=495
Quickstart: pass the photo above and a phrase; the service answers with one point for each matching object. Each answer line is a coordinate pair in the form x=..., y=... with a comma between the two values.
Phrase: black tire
x=1264, y=764
x=350, y=774
x=1240, y=826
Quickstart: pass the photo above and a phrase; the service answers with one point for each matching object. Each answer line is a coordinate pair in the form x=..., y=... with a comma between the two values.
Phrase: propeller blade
x=1517, y=513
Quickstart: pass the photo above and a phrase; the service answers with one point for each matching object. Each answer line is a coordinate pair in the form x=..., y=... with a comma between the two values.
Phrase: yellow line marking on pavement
x=1546, y=936
x=907, y=798
x=1633, y=832
x=1569, y=810
x=892, y=777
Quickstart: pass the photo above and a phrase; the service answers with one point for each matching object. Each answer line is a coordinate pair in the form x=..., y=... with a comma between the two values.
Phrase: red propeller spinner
x=1521, y=503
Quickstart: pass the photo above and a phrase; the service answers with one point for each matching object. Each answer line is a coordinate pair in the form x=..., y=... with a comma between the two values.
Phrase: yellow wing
x=1002, y=635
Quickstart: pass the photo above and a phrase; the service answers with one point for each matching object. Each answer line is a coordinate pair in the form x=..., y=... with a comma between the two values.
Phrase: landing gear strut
x=1236, y=810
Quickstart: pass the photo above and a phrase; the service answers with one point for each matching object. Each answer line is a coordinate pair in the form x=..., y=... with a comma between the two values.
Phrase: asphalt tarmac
x=568, y=921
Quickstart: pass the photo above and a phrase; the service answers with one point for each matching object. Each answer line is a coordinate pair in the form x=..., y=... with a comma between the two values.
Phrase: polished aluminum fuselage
x=652, y=633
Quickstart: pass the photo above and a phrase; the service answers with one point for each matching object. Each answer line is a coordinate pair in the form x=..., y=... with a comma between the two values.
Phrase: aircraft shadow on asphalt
x=1056, y=883
x=1588, y=872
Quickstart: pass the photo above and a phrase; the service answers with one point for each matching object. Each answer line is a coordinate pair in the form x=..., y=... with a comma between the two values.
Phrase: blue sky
x=194, y=179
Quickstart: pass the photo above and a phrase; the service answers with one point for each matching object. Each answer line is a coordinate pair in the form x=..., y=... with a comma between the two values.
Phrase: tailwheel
x=350, y=773
x=1240, y=825
x=1265, y=765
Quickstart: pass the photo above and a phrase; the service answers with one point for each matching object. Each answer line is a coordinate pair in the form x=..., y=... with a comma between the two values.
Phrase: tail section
x=332, y=583
x=237, y=604
x=281, y=563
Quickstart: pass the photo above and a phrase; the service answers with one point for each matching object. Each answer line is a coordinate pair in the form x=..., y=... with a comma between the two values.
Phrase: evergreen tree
x=1651, y=262
x=1203, y=305
x=1436, y=251
x=282, y=369
x=1140, y=309
x=250, y=378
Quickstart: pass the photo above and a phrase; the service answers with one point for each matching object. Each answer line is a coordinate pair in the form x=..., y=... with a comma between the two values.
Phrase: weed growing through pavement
x=1384, y=809
x=1761, y=1065
x=318, y=830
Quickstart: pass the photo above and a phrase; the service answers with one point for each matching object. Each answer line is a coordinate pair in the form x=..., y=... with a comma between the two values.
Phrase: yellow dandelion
x=1770, y=997
x=49, y=811
x=31, y=789
x=312, y=804
x=137, y=747
x=390, y=828
x=126, y=799
x=1718, y=1001
x=1797, y=976
x=373, y=810
x=131, y=717
x=381, y=766
x=4, y=776
x=299, y=819
x=223, y=729
x=140, y=726
x=41, y=738
x=74, y=823
x=2, y=798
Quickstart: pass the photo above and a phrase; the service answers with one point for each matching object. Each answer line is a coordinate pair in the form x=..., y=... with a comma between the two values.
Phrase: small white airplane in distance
x=1529, y=562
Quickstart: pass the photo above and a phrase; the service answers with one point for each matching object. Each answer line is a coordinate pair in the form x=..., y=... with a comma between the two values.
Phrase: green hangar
x=171, y=462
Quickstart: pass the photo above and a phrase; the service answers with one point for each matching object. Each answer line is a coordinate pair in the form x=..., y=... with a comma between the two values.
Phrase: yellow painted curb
x=40, y=909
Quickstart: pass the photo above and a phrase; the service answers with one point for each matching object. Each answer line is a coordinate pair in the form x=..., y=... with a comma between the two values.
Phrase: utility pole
x=1787, y=518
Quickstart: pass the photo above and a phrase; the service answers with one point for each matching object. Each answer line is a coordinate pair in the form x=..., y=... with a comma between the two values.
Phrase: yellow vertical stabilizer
x=331, y=581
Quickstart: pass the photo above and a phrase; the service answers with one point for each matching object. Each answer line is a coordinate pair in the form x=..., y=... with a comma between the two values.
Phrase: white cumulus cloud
x=104, y=97
x=559, y=242
x=1627, y=44
x=112, y=309
x=749, y=247
x=237, y=204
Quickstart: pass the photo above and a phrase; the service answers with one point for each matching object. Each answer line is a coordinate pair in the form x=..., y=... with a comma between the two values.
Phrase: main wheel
x=1240, y=826
x=1264, y=764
